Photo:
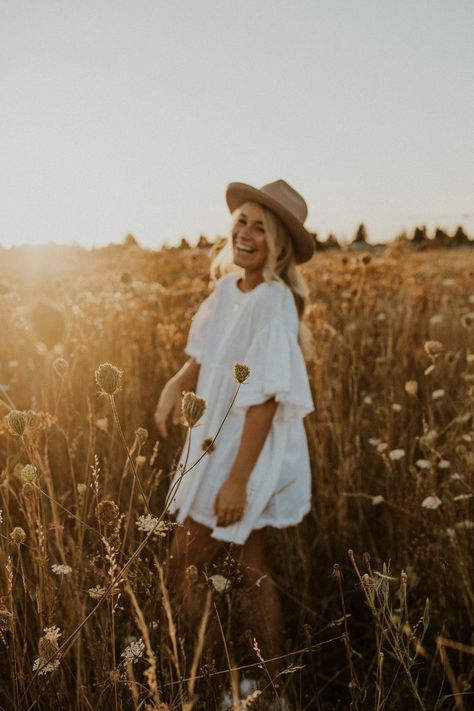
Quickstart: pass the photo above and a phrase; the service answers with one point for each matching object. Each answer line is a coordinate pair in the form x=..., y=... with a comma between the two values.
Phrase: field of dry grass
x=376, y=583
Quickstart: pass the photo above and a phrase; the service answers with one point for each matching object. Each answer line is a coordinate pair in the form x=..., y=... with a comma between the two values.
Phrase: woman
x=258, y=472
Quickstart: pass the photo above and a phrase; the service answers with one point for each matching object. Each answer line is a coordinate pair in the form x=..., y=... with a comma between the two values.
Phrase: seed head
x=193, y=408
x=208, y=445
x=61, y=366
x=107, y=512
x=109, y=378
x=29, y=474
x=411, y=387
x=433, y=348
x=81, y=489
x=241, y=372
x=467, y=320
x=17, y=422
x=18, y=536
x=142, y=435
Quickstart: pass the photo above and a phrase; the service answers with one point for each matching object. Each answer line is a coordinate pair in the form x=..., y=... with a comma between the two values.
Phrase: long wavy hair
x=280, y=266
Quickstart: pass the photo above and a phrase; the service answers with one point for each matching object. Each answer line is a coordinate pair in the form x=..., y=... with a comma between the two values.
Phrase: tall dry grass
x=376, y=583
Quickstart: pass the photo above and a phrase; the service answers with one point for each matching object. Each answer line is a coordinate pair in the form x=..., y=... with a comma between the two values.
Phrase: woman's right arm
x=170, y=398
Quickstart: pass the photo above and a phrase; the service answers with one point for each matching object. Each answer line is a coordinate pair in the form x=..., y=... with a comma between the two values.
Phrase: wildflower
x=462, y=497
x=96, y=593
x=451, y=533
x=134, y=651
x=444, y=464
x=81, y=489
x=142, y=435
x=241, y=372
x=436, y=319
x=464, y=525
x=382, y=447
x=193, y=408
x=423, y=464
x=396, y=407
x=374, y=441
x=48, y=648
x=437, y=394
x=29, y=473
x=431, y=502
x=109, y=378
x=17, y=422
x=18, y=536
x=102, y=424
x=150, y=523
x=107, y=512
x=433, y=348
x=61, y=569
x=378, y=499
x=411, y=387
x=61, y=366
x=208, y=445
x=469, y=378
x=396, y=454
x=368, y=400
x=219, y=583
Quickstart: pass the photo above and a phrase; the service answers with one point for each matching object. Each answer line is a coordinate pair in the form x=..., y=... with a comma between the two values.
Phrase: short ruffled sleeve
x=199, y=328
x=277, y=369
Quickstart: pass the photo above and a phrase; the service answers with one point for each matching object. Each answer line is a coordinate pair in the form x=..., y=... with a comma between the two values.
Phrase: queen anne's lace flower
x=396, y=454
x=61, y=569
x=150, y=523
x=134, y=651
x=48, y=647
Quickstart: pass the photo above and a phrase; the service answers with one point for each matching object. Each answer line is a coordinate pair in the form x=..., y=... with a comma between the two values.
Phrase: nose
x=243, y=231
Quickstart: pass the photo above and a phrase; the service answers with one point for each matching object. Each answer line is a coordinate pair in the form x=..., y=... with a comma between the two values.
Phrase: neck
x=250, y=280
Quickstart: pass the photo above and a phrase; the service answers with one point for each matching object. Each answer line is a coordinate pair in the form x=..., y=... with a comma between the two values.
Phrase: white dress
x=258, y=328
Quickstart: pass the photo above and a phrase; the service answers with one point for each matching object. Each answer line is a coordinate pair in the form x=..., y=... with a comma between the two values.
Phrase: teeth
x=243, y=248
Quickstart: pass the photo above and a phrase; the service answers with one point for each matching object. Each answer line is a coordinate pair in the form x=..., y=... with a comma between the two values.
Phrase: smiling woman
x=258, y=474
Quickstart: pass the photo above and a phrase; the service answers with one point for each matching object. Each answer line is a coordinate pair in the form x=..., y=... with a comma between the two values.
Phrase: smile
x=244, y=248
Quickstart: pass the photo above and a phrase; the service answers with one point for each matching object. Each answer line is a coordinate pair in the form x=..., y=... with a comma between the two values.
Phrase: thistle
x=142, y=435
x=61, y=366
x=193, y=408
x=109, y=378
x=29, y=474
x=18, y=536
x=17, y=422
x=241, y=372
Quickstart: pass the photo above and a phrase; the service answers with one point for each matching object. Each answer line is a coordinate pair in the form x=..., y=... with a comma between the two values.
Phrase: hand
x=169, y=403
x=230, y=502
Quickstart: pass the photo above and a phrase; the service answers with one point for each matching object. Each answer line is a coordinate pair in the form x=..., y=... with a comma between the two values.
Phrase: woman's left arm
x=231, y=497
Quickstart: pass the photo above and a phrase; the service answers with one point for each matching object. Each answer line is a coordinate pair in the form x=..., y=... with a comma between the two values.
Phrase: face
x=248, y=238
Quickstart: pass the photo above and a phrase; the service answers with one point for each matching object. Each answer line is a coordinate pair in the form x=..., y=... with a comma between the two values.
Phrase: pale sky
x=122, y=117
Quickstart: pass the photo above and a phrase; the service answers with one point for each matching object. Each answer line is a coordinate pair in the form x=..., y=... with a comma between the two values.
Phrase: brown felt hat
x=286, y=203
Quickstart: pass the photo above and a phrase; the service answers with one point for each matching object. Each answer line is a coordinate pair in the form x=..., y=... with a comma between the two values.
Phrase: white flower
x=448, y=282
x=134, y=651
x=374, y=441
x=431, y=502
x=48, y=647
x=382, y=447
x=368, y=400
x=465, y=525
x=150, y=523
x=61, y=569
x=396, y=454
x=396, y=407
x=96, y=593
x=423, y=464
x=219, y=583
x=381, y=316
x=462, y=497
x=456, y=477
x=443, y=464
x=451, y=533
x=435, y=319
x=378, y=499
x=437, y=394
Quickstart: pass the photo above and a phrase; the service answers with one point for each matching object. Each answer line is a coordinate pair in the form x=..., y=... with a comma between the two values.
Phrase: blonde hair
x=280, y=266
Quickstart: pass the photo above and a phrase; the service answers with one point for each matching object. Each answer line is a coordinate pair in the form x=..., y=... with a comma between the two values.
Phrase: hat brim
x=303, y=241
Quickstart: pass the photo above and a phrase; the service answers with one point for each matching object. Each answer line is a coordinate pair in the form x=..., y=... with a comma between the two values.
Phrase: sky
x=132, y=117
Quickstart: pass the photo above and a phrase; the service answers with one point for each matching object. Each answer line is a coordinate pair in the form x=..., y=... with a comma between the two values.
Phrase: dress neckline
x=245, y=293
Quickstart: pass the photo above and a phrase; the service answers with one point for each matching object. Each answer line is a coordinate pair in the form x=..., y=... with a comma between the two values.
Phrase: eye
x=261, y=229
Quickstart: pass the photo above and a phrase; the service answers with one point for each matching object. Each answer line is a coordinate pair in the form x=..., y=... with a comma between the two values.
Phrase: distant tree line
x=418, y=240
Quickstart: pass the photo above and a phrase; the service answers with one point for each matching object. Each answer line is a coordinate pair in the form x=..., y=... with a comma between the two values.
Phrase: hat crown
x=287, y=197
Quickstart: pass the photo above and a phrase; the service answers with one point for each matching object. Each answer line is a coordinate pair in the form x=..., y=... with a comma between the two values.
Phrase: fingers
x=227, y=517
x=160, y=423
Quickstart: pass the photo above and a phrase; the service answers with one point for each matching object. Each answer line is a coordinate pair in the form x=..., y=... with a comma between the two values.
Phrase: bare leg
x=192, y=545
x=264, y=606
